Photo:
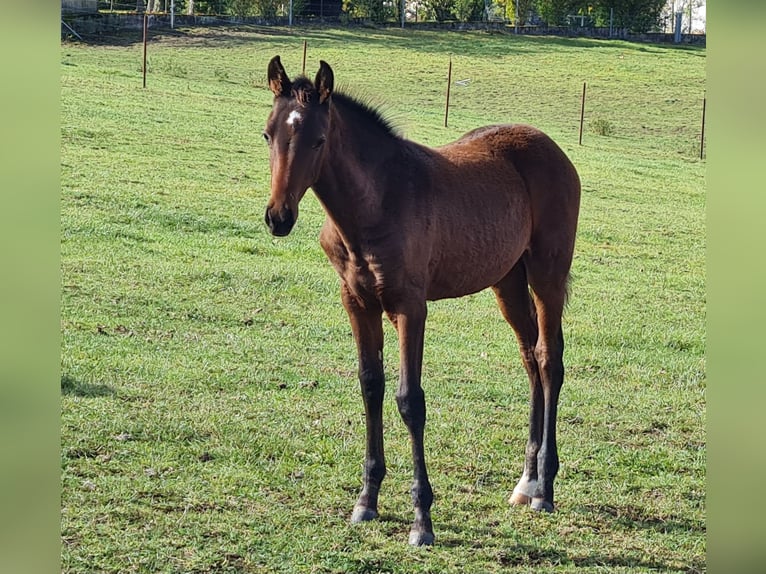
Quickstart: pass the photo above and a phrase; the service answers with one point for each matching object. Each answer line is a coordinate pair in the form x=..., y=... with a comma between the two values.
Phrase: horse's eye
x=267, y=137
x=320, y=142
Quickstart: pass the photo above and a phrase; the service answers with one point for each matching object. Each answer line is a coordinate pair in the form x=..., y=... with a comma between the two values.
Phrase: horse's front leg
x=410, y=399
x=366, y=325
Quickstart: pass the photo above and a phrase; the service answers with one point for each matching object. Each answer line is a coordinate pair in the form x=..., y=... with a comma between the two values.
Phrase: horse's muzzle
x=280, y=222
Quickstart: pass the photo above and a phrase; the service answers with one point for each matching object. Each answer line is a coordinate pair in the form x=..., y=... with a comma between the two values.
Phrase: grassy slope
x=210, y=413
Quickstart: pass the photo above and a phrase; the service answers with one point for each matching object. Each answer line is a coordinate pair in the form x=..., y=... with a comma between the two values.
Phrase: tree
x=634, y=15
x=442, y=9
x=554, y=12
x=373, y=10
x=469, y=10
x=243, y=8
x=211, y=6
x=525, y=9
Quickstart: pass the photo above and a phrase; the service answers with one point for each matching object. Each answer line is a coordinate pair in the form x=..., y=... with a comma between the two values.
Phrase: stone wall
x=79, y=6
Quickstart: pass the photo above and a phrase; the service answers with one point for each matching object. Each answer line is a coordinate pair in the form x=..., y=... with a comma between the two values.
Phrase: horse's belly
x=478, y=249
x=471, y=267
x=465, y=280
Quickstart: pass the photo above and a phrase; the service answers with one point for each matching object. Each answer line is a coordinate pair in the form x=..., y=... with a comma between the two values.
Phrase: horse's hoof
x=524, y=491
x=363, y=514
x=541, y=505
x=519, y=499
x=421, y=538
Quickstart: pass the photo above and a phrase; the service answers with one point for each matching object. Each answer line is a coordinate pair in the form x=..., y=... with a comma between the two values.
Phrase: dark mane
x=305, y=93
x=366, y=109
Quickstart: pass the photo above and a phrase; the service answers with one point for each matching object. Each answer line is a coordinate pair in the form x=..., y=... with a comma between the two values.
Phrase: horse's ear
x=324, y=81
x=279, y=83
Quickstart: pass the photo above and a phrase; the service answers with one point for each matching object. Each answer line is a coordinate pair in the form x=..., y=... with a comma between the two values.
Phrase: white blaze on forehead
x=295, y=116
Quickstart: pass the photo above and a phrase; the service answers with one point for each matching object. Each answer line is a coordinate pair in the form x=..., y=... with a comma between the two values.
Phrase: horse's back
x=526, y=147
x=496, y=189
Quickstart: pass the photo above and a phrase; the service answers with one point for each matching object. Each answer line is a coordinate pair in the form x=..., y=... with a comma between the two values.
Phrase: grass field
x=211, y=417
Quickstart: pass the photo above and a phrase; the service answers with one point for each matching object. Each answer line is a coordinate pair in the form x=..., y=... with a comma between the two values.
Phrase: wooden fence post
x=146, y=20
x=449, y=81
x=702, y=135
x=582, y=111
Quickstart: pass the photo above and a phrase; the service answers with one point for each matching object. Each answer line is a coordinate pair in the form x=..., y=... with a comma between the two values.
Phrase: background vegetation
x=211, y=418
x=632, y=15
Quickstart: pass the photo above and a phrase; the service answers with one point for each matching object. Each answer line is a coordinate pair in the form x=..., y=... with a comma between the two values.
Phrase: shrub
x=602, y=127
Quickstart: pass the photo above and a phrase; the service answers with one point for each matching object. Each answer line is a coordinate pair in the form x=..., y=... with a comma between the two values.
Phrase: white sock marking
x=526, y=486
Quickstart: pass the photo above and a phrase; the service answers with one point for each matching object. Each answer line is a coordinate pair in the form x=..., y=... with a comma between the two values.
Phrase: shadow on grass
x=633, y=517
x=72, y=387
x=193, y=36
x=447, y=42
x=533, y=556
x=510, y=553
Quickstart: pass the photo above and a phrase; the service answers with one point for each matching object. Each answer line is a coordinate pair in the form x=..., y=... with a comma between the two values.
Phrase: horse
x=406, y=224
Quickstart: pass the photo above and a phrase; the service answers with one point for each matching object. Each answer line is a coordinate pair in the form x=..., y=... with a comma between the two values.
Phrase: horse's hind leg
x=548, y=276
x=367, y=327
x=515, y=303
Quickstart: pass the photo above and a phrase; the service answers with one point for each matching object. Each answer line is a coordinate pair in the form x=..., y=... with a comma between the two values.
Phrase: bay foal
x=406, y=224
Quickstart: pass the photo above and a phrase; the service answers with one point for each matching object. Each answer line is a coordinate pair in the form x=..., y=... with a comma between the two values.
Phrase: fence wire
x=609, y=111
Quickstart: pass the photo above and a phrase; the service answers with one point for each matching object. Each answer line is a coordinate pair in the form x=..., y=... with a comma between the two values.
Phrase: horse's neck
x=349, y=185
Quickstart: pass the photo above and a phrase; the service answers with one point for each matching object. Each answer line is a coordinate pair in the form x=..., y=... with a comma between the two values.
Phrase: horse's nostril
x=281, y=222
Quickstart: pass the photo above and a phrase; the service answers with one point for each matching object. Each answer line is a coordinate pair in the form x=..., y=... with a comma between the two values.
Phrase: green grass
x=211, y=418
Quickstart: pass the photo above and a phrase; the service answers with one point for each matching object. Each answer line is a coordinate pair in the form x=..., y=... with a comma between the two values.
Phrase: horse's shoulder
x=331, y=242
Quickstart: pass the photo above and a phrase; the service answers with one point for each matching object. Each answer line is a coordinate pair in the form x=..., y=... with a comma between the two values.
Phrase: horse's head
x=296, y=132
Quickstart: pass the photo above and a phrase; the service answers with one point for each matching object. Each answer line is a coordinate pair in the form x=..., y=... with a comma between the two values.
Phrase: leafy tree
x=442, y=9
x=468, y=10
x=210, y=6
x=374, y=10
x=634, y=15
x=180, y=6
x=554, y=12
x=243, y=8
x=525, y=10
x=266, y=8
